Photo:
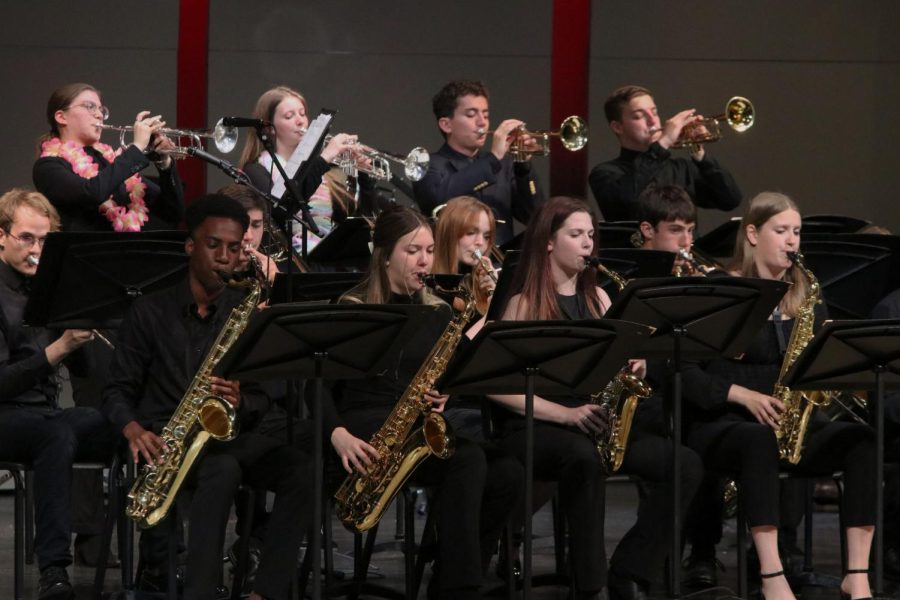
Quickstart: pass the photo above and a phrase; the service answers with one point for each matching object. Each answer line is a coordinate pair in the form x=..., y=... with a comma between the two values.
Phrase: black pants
x=570, y=458
x=52, y=440
x=749, y=450
x=259, y=461
x=642, y=552
x=475, y=491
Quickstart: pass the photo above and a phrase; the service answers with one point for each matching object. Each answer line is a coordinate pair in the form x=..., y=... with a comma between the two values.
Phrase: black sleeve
x=261, y=178
x=129, y=367
x=701, y=389
x=19, y=377
x=616, y=189
x=53, y=176
x=443, y=182
x=169, y=206
x=714, y=186
x=527, y=192
x=255, y=403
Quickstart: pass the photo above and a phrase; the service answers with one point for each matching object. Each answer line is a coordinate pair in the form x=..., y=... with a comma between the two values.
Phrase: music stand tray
x=312, y=341
x=88, y=280
x=541, y=357
x=694, y=318
x=852, y=355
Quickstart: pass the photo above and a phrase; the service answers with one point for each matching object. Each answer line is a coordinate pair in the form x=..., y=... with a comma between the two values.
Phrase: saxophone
x=798, y=406
x=199, y=416
x=363, y=497
x=619, y=398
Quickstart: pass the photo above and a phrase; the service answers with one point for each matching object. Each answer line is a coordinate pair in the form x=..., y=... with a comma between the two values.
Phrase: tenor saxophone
x=798, y=406
x=200, y=415
x=363, y=497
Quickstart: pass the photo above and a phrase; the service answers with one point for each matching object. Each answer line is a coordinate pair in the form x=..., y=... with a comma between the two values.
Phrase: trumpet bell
x=740, y=114
x=225, y=137
x=415, y=165
x=573, y=133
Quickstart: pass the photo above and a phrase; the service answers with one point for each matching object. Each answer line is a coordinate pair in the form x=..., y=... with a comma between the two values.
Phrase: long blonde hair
x=760, y=209
x=342, y=202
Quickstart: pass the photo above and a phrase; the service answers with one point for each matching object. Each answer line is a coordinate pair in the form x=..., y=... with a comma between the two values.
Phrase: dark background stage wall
x=824, y=76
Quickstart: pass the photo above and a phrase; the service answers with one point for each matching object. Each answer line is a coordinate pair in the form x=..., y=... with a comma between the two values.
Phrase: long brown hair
x=456, y=218
x=533, y=279
x=342, y=202
x=61, y=99
x=390, y=226
x=760, y=209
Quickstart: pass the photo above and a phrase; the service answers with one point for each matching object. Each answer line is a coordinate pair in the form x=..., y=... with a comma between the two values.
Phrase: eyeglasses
x=28, y=239
x=93, y=108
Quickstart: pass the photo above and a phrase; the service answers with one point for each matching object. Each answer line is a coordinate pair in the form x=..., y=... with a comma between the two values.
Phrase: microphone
x=244, y=122
x=223, y=164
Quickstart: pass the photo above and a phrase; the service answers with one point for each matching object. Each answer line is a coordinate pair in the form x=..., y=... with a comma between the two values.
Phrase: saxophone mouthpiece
x=794, y=256
x=592, y=261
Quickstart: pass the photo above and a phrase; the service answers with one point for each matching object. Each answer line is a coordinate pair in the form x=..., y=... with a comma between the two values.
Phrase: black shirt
x=162, y=343
x=509, y=188
x=26, y=378
x=616, y=184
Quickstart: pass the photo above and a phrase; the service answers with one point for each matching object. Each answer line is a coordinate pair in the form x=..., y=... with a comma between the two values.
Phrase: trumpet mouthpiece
x=33, y=260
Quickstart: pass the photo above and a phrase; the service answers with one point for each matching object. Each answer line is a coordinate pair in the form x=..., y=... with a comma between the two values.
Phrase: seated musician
x=163, y=342
x=551, y=282
x=461, y=167
x=474, y=491
x=465, y=225
x=97, y=188
x=33, y=428
x=325, y=187
x=257, y=212
x=732, y=416
x=667, y=220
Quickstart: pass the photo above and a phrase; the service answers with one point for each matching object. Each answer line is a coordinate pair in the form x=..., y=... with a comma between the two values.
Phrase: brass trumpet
x=739, y=115
x=572, y=132
x=377, y=164
x=225, y=138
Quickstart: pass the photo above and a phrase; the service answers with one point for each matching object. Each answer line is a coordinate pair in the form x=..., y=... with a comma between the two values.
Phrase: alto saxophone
x=199, y=416
x=619, y=398
x=798, y=406
x=363, y=497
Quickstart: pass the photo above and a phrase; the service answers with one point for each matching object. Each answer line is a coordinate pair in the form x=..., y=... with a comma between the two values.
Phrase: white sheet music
x=304, y=149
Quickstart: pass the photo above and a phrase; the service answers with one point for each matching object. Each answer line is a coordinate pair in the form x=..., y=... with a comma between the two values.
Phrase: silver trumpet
x=35, y=261
x=225, y=138
x=377, y=163
x=486, y=264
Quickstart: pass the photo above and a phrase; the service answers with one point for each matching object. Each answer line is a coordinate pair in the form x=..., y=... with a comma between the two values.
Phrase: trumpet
x=377, y=164
x=739, y=115
x=572, y=133
x=224, y=137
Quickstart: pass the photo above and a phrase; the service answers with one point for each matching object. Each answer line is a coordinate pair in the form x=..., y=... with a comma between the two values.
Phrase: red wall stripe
x=569, y=91
x=193, y=89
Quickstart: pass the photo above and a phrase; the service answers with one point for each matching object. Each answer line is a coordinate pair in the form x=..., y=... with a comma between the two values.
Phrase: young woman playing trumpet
x=93, y=186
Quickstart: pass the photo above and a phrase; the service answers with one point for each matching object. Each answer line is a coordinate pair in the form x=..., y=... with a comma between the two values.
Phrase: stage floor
x=387, y=566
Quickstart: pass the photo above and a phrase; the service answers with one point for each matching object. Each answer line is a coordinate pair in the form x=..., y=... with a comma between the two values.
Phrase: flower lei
x=129, y=218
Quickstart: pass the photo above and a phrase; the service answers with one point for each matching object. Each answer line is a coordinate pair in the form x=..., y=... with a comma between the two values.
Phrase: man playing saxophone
x=164, y=340
x=733, y=410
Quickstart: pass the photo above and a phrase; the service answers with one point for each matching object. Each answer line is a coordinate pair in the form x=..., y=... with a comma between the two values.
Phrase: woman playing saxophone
x=733, y=414
x=473, y=493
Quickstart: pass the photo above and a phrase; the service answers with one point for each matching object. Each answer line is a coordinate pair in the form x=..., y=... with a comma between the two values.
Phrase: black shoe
x=503, y=566
x=156, y=580
x=252, y=562
x=845, y=595
x=54, y=584
x=622, y=588
x=87, y=548
x=701, y=572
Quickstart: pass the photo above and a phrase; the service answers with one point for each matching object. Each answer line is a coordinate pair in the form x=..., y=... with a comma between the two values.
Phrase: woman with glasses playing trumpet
x=325, y=186
x=94, y=187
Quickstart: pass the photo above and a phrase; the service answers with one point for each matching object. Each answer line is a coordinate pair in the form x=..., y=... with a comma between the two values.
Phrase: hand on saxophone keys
x=228, y=390
x=764, y=408
x=354, y=452
x=438, y=400
x=144, y=443
x=591, y=419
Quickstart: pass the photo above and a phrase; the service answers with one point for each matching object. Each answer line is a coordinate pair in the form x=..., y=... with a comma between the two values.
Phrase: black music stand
x=347, y=246
x=832, y=224
x=719, y=242
x=631, y=263
x=844, y=268
x=313, y=287
x=615, y=234
x=311, y=341
x=853, y=355
x=694, y=318
x=541, y=357
x=88, y=280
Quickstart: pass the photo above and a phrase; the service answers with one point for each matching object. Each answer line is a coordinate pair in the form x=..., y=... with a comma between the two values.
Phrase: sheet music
x=304, y=149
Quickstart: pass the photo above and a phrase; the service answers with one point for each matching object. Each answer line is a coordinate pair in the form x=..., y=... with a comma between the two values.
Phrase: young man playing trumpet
x=461, y=167
x=645, y=158
x=667, y=220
